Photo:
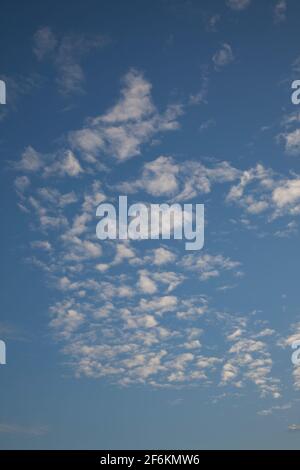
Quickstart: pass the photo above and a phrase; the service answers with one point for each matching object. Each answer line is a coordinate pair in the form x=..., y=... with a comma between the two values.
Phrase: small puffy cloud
x=163, y=256
x=236, y=334
x=31, y=160
x=287, y=193
x=81, y=250
x=71, y=165
x=42, y=245
x=44, y=42
x=123, y=252
x=212, y=22
x=102, y=267
x=144, y=321
x=22, y=183
x=159, y=304
x=296, y=66
x=65, y=165
x=229, y=372
x=168, y=278
x=159, y=177
x=87, y=140
x=146, y=284
x=280, y=10
x=292, y=142
x=60, y=164
x=65, y=318
x=195, y=344
x=208, y=266
x=238, y=5
x=224, y=56
x=207, y=125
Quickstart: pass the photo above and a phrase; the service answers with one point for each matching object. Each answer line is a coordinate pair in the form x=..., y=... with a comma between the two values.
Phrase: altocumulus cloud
x=120, y=311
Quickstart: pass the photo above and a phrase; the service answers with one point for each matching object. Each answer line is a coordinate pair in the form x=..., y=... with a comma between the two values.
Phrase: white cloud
x=144, y=321
x=36, y=431
x=123, y=315
x=292, y=142
x=169, y=278
x=271, y=410
x=280, y=10
x=146, y=284
x=249, y=359
x=212, y=22
x=164, y=176
x=261, y=191
x=238, y=5
x=224, y=56
x=30, y=160
x=287, y=193
x=208, y=266
x=42, y=245
x=132, y=122
x=61, y=164
x=135, y=102
x=22, y=183
x=229, y=372
x=159, y=177
x=65, y=165
x=123, y=252
x=44, y=42
x=207, y=124
x=201, y=96
x=65, y=318
x=163, y=256
x=159, y=304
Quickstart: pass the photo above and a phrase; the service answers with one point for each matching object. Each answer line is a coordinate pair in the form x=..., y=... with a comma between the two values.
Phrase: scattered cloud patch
x=224, y=56
x=238, y=5
x=124, y=128
x=280, y=11
x=66, y=54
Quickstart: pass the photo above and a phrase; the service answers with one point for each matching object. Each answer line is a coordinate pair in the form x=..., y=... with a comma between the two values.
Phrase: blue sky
x=143, y=344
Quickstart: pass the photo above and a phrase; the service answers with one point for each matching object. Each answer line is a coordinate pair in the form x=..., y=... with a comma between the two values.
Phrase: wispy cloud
x=34, y=431
x=238, y=5
x=224, y=56
x=66, y=53
x=18, y=87
x=280, y=11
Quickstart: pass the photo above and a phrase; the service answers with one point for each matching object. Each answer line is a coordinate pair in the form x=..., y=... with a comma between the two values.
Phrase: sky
x=141, y=344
